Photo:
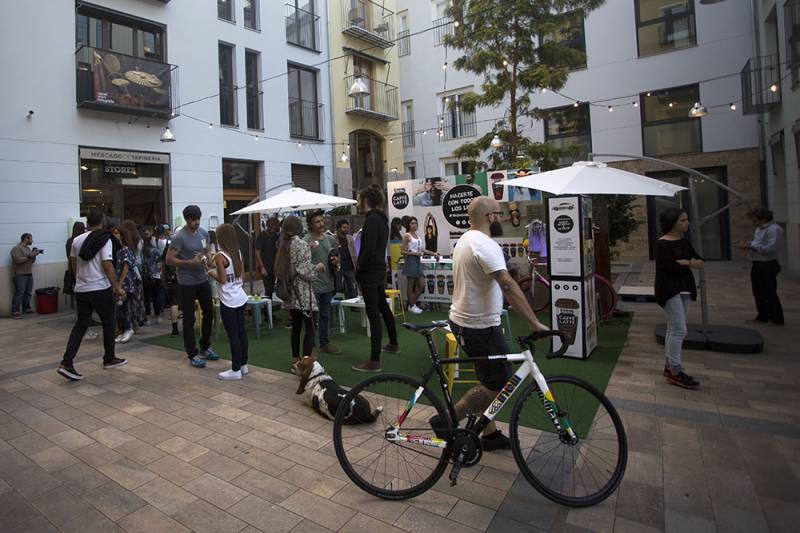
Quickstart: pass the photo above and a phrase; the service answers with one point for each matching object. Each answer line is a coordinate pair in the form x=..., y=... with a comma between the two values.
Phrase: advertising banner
x=130, y=81
x=565, y=236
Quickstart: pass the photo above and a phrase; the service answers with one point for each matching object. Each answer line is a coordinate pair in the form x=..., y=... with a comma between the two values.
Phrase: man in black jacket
x=371, y=276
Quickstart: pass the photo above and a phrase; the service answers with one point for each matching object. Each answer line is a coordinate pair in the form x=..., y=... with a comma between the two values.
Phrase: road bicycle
x=536, y=287
x=566, y=437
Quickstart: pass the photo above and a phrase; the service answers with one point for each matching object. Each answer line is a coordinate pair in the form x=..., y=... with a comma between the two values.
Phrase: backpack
x=169, y=274
x=283, y=284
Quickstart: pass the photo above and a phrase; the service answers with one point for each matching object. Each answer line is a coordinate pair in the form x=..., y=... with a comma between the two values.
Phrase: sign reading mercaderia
x=455, y=204
x=124, y=155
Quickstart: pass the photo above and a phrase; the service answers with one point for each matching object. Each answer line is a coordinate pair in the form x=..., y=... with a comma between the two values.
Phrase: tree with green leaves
x=519, y=48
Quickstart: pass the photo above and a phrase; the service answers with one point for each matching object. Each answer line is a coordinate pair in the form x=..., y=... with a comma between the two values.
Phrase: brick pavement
x=160, y=446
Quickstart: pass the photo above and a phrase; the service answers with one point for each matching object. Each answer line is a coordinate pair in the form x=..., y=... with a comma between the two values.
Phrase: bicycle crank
x=467, y=451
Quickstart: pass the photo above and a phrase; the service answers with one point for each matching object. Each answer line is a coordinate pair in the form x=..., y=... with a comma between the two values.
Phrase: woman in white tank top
x=232, y=298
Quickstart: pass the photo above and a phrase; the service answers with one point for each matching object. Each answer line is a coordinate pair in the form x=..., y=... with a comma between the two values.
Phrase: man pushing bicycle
x=481, y=281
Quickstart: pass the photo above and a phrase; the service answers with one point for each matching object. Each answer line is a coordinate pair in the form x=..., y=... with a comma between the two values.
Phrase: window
x=791, y=16
x=251, y=14
x=110, y=31
x=403, y=36
x=454, y=122
x=302, y=24
x=572, y=34
x=239, y=174
x=567, y=127
x=306, y=177
x=304, y=109
x=227, y=86
x=442, y=23
x=253, y=82
x=666, y=126
x=411, y=170
x=664, y=25
x=408, y=124
x=225, y=10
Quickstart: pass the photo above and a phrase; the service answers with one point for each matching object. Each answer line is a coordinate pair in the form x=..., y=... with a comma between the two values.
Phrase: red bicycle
x=536, y=287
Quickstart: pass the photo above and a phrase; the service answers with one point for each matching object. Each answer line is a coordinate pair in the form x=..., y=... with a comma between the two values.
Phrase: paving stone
x=494, y=478
x=61, y=507
x=264, y=515
x=305, y=526
x=641, y=503
x=358, y=500
x=230, y=413
x=110, y=436
x=80, y=478
x=623, y=525
x=127, y=473
x=265, y=461
x=688, y=495
x=182, y=448
x=189, y=430
x=203, y=518
x=39, y=524
x=265, y=486
x=319, y=510
x=173, y=469
x=113, y=500
x=148, y=519
x=737, y=519
x=781, y=515
x=226, y=427
x=224, y=445
x=435, y=502
x=678, y=522
x=220, y=466
x=419, y=520
x=165, y=496
x=54, y=459
x=150, y=433
x=15, y=509
x=472, y=515
x=30, y=443
x=31, y=482
x=312, y=481
x=362, y=523
x=97, y=454
x=216, y=491
x=264, y=441
x=86, y=424
x=140, y=452
x=71, y=439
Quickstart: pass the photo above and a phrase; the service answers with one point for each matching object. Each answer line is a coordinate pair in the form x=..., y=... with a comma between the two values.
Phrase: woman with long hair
x=232, y=298
x=293, y=263
x=413, y=250
x=151, y=278
x=78, y=228
x=125, y=266
x=674, y=287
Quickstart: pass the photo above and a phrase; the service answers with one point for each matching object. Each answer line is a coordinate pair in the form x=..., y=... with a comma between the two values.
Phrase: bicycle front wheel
x=577, y=470
x=391, y=469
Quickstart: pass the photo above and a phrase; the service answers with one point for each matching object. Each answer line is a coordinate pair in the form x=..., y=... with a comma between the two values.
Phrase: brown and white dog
x=324, y=395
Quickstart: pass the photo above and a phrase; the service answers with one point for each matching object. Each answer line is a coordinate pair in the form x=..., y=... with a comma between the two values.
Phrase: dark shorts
x=412, y=268
x=171, y=294
x=483, y=342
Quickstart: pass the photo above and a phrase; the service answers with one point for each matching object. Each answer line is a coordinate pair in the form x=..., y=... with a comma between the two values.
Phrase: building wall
x=39, y=162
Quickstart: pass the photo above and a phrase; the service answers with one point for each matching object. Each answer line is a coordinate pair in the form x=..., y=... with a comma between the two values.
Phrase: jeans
x=349, y=280
x=677, y=311
x=300, y=319
x=324, y=304
x=23, y=284
x=103, y=303
x=187, y=294
x=233, y=320
x=376, y=308
x=764, y=279
x=269, y=284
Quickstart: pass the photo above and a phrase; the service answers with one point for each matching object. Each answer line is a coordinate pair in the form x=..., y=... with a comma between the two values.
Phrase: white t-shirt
x=231, y=293
x=477, y=298
x=89, y=275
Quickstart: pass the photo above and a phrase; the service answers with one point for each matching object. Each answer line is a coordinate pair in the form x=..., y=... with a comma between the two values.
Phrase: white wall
x=39, y=162
x=724, y=43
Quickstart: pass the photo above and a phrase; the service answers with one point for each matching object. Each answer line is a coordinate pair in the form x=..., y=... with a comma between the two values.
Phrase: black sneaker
x=682, y=380
x=495, y=441
x=69, y=372
x=115, y=363
x=438, y=428
x=175, y=330
x=667, y=372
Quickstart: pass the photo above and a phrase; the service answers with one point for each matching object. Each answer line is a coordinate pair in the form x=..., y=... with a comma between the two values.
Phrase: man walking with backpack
x=96, y=287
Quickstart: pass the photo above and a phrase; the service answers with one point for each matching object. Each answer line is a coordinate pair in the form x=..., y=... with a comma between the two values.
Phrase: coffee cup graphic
x=440, y=283
x=513, y=250
x=520, y=250
x=430, y=282
x=497, y=187
x=450, y=285
x=567, y=317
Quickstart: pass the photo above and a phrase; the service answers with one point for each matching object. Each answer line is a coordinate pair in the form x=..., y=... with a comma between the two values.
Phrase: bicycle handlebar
x=537, y=335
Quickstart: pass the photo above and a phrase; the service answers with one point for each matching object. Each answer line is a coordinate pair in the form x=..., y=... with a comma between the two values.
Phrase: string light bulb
x=343, y=158
x=610, y=109
x=496, y=142
x=299, y=145
x=544, y=90
x=505, y=62
x=773, y=87
x=671, y=104
x=444, y=67
x=648, y=93
x=732, y=106
x=210, y=126
x=577, y=103
x=635, y=103
x=255, y=137
x=456, y=23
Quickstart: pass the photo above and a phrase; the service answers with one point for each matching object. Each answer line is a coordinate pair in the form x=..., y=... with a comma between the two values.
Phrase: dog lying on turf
x=324, y=395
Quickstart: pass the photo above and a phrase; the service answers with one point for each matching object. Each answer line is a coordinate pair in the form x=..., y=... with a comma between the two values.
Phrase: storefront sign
x=119, y=168
x=122, y=155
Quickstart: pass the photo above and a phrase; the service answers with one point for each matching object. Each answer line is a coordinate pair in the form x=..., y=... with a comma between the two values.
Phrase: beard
x=496, y=229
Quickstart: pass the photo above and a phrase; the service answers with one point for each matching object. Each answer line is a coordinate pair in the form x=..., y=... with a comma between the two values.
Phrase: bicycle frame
x=528, y=368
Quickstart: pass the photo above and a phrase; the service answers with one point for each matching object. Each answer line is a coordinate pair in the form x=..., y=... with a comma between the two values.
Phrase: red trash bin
x=47, y=300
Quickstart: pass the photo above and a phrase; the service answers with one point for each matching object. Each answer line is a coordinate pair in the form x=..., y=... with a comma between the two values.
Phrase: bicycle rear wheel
x=575, y=472
x=539, y=296
x=607, y=296
x=391, y=470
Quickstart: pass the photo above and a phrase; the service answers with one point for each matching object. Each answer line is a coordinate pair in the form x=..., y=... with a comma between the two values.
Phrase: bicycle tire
x=541, y=295
x=582, y=460
x=607, y=295
x=384, y=421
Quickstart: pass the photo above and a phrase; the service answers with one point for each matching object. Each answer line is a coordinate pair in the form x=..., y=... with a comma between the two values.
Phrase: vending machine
x=573, y=305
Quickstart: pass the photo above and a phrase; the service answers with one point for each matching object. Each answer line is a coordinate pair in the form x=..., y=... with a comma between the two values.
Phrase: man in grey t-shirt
x=188, y=253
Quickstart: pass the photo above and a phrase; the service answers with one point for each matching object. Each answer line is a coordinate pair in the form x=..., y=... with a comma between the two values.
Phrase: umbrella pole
x=697, y=242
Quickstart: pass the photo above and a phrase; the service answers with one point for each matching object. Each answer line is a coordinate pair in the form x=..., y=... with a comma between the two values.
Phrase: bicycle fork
x=554, y=412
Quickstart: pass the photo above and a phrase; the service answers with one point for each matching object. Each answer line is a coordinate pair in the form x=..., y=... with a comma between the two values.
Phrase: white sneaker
x=230, y=375
x=416, y=310
x=244, y=370
x=118, y=338
x=126, y=336
x=90, y=335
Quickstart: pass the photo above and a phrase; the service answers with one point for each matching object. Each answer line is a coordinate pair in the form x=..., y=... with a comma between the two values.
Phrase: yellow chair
x=397, y=294
x=451, y=351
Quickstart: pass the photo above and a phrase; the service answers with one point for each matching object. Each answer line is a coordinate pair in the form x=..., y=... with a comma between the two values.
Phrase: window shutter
x=306, y=177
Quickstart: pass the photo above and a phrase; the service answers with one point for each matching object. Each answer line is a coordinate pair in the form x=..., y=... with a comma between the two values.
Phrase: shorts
x=483, y=342
x=412, y=268
x=171, y=293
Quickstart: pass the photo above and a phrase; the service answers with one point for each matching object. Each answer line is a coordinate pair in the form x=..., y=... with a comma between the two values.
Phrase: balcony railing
x=760, y=84
x=409, y=137
x=382, y=102
x=791, y=17
x=305, y=119
x=441, y=27
x=403, y=43
x=368, y=21
x=302, y=28
x=457, y=124
x=111, y=81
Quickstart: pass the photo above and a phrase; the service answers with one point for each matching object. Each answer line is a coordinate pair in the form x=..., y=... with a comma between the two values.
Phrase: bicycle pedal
x=454, y=474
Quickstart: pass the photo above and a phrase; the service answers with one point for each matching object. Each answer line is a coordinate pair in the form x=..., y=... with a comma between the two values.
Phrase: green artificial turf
x=273, y=350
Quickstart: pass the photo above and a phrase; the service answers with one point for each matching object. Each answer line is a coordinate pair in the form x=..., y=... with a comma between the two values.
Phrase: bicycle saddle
x=427, y=325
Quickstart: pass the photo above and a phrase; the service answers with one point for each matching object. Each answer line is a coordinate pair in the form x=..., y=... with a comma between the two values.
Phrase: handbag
x=69, y=282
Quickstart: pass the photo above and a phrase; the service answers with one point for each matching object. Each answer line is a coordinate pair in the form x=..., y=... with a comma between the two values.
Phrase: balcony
x=409, y=137
x=442, y=27
x=302, y=28
x=760, y=84
x=457, y=124
x=111, y=81
x=368, y=21
x=382, y=102
x=403, y=43
x=305, y=119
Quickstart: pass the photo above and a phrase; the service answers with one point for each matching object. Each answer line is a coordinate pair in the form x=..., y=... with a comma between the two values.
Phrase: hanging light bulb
x=544, y=90
x=391, y=141
x=444, y=67
x=446, y=99
x=299, y=145
x=671, y=104
x=424, y=132
x=635, y=103
x=496, y=142
x=255, y=137
x=732, y=106
x=610, y=109
x=167, y=136
x=456, y=23
x=393, y=170
x=210, y=126
x=343, y=158
x=505, y=62
x=84, y=167
x=648, y=93
x=773, y=87
x=697, y=111
x=577, y=103
x=358, y=88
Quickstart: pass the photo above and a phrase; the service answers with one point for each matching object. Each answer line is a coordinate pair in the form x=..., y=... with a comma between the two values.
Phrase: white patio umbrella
x=295, y=199
x=593, y=177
